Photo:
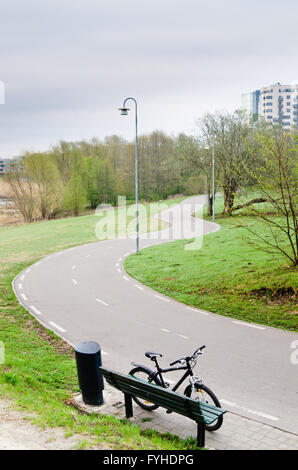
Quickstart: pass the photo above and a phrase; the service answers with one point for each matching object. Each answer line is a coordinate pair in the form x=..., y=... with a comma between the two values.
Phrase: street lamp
x=124, y=112
x=213, y=182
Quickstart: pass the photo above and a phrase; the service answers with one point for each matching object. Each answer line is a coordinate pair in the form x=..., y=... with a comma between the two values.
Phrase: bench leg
x=128, y=406
x=201, y=435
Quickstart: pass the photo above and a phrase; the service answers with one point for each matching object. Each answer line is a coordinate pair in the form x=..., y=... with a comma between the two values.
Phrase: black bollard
x=88, y=358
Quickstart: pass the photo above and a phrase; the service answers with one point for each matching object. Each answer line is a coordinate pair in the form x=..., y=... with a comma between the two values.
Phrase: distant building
x=250, y=102
x=275, y=103
x=4, y=165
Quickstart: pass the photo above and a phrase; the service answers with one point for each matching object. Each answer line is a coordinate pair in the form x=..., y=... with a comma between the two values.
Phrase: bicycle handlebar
x=197, y=351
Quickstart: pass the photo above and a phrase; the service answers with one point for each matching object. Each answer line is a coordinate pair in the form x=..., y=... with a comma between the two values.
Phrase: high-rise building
x=276, y=103
x=250, y=102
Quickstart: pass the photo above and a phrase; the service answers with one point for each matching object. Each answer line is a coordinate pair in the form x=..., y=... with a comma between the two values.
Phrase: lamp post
x=124, y=112
x=213, y=180
x=213, y=184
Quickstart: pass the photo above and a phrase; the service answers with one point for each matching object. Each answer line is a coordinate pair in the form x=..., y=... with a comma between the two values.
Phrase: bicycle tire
x=206, y=390
x=147, y=372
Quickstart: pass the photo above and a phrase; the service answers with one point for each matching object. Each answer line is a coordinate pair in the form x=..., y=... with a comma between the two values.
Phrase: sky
x=68, y=65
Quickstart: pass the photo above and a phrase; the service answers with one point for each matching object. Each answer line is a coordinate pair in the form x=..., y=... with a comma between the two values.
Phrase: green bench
x=199, y=412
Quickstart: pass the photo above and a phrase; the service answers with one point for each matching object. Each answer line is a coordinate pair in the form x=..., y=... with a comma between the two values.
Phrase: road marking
x=139, y=287
x=74, y=281
x=20, y=286
x=257, y=413
x=120, y=259
x=161, y=298
x=28, y=270
x=197, y=310
x=24, y=297
x=125, y=278
x=35, y=310
x=87, y=256
x=165, y=331
x=119, y=270
x=74, y=266
x=22, y=277
x=249, y=324
x=181, y=336
x=117, y=264
x=104, y=353
x=126, y=254
x=57, y=327
x=102, y=302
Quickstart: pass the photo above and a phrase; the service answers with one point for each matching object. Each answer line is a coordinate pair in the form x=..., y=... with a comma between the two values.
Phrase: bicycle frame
x=161, y=371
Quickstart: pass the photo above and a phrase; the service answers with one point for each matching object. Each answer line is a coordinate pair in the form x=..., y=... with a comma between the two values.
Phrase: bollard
x=88, y=359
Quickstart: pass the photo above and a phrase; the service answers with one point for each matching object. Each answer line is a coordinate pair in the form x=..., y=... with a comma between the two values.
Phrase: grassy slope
x=226, y=276
x=39, y=372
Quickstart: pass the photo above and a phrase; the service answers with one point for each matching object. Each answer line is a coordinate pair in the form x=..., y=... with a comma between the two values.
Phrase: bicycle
x=196, y=389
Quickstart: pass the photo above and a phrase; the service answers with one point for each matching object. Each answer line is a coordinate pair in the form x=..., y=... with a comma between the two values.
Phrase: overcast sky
x=67, y=65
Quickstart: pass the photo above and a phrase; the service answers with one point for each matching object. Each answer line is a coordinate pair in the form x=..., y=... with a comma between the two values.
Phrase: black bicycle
x=196, y=389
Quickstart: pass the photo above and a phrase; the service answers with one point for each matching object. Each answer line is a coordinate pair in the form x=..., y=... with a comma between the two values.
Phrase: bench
x=199, y=412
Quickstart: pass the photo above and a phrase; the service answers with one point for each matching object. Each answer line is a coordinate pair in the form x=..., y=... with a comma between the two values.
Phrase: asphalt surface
x=83, y=293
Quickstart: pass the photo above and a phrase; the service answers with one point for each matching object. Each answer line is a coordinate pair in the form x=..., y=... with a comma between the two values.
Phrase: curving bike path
x=83, y=293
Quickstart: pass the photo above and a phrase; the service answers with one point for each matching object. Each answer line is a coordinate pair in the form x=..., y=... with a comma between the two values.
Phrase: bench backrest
x=173, y=401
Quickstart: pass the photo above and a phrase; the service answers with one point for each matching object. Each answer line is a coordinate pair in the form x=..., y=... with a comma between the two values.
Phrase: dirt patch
x=58, y=344
x=280, y=295
x=16, y=433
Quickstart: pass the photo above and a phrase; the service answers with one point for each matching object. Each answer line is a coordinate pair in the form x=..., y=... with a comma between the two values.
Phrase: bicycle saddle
x=152, y=355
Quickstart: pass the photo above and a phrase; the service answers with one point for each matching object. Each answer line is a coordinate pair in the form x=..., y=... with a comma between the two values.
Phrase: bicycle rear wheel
x=204, y=394
x=144, y=374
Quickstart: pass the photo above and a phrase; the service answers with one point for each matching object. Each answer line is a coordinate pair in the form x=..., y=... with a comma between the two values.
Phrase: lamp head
x=123, y=111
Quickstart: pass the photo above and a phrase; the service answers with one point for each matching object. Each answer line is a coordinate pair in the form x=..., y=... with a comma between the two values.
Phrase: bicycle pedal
x=169, y=412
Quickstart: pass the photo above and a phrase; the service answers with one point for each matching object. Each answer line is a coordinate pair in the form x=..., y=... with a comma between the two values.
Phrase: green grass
x=39, y=373
x=227, y=276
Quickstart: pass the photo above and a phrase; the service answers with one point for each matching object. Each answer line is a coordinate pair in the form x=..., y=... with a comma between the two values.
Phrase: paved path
x=84, y=293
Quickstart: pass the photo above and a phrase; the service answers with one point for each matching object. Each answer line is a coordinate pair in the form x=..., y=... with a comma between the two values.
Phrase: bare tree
x=274, y=177
x=22, y=189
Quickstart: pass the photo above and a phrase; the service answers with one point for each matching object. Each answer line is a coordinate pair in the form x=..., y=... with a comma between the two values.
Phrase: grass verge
x=227, y=276
x=39, y=372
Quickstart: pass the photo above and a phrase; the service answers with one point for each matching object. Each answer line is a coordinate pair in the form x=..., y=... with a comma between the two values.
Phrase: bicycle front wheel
x=202, y=393
x=144, y=374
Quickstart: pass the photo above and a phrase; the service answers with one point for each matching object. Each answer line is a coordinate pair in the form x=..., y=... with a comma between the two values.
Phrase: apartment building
x=275, y=103
x=4, y=165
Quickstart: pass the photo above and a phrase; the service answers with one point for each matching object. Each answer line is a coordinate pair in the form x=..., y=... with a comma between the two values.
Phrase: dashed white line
x=22, y=277
x=117, y=265
x=125, y=278
x=20, y=286
x=104, y=353
x=74, y=281
x=102, y=302
x=257, y=413
x=28, y=270
x=249, y=324
x=126, y=254
x=161, y=298
x=57, y=326
x=138, y=287
x=35, y=310
x=165, y=331
x=120, y=259
x=181, y=336
x=197, y=310
x=119, y=270
x=74, y=266
x=24, y=297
